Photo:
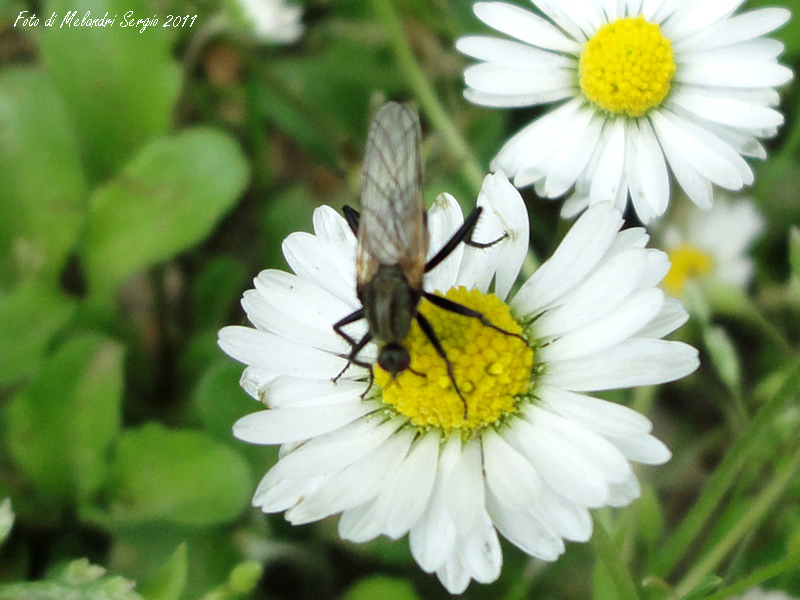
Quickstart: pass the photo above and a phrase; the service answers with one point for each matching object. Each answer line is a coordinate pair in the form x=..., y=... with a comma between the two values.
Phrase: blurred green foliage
x=146, y=177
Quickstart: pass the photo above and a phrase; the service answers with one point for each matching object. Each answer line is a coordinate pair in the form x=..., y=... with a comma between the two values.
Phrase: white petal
x=672, y=316
x=559, y=463
x=278, y=355
x=515, y=100
x=576, y=257
x=433, y=537
x=504, y=213
x=602, y=291
x=407, y=494
x=724, y=110
x=506, y=80
x=567, y=163
x=622, y=494
x=292, y=295
x=602, y=416
x=360, y=524
x=358, y=483
x=444, y=219
x=286, y=392
x=644, y=449
x=608, y=175
x=453, y=575
x=576, y=140
x=699, y=16
x=579, y=21
x=332, y=452
x=525, y=26
x=510, y=53
x=524, y=531
x=594, y=448
x=647, y=172
x=480, y=551
x=696, y=186
x=266, y=318
x=278, y=426
x=737, y=29
x=525, y=148
x=622, y=323
x=632, y=363
x=310, y=259
x=733, y=73
x=464, y=487
x=712, y=157
x=275, y=494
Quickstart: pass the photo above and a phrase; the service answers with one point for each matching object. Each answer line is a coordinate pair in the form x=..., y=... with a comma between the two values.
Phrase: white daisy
x=639, y=85
x=529, y=454
x=273, y=21
x=712, y=246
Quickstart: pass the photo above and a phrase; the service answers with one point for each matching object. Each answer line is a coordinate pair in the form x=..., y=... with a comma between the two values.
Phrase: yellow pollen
x=492, y=369
x=687, y=263
x=627, y=66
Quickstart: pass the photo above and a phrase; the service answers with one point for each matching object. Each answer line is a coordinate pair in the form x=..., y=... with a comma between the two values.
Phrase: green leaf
x=650, y=517
x=794, y=252
x=245, y=576
x=22, y=347
x=181, y=476
x=385, y=588
x=79, y=580
x=120, y=84
x=724, y=356
x=6, y=519
x=60, y=426
x=219, y=399
x=217, y=291
x=166, y=200
x=170, y=580
x=705, y=587
x=43, y=193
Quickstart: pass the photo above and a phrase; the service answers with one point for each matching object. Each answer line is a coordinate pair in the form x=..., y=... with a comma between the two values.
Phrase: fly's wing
x=392, y=229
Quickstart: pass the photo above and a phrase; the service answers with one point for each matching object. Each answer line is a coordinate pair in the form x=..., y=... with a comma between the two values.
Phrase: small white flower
x=529, y=454
x=713, y=245
x=639, y=85
x=273, y=21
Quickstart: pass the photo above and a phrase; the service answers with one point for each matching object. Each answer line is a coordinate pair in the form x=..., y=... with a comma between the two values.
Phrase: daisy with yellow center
x=712, y=247
x=523, y=451
x=642, y=87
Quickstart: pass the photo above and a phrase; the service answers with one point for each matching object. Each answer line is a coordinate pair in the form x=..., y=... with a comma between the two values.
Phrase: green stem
x=611, y=561
x=749, y=521
x=426, y=95
x=768, y=572
x=743, y=450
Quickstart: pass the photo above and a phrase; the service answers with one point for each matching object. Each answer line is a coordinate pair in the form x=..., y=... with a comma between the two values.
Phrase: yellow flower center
x=492, y=368
x=627, y=66
x=687, y=263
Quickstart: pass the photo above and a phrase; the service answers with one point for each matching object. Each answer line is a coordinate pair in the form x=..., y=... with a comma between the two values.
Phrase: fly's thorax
x=390, y=304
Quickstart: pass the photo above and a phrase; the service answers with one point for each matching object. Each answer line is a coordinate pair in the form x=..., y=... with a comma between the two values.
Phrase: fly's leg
x=354, y=316
x=464, y=234
x=352, y=359
x=427, y=329
x=355, y=347
x=460, y=309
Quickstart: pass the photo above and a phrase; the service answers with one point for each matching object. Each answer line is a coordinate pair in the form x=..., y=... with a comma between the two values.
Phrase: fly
x=392, y=244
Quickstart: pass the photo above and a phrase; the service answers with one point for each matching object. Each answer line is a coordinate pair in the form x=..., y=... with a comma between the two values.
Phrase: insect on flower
x=392, y=246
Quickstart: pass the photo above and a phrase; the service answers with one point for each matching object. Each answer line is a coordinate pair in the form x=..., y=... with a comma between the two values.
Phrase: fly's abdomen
x=390, y=304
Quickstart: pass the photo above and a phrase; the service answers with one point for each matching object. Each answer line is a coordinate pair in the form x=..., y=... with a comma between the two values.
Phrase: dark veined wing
x=392, y=229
